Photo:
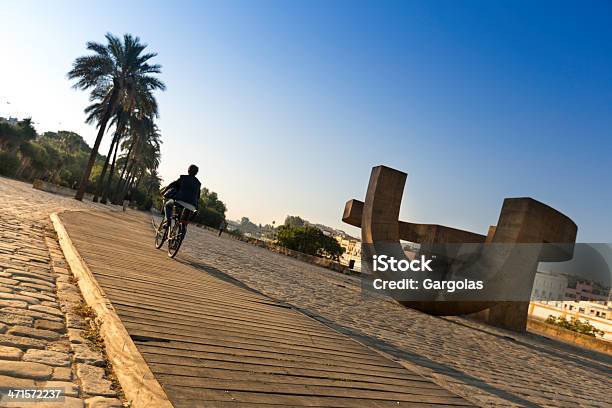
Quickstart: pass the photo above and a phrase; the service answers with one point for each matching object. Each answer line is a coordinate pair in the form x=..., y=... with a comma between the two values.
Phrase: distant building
x=548, y=286
x=590, y=309
x=588, y=302
x=352, y=251
x=587, y=291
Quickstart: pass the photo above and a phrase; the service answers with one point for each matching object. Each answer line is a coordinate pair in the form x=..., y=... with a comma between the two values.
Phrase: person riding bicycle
x=184, y=191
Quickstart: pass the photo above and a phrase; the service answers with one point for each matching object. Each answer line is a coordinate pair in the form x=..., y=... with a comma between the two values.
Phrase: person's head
x=192, y=170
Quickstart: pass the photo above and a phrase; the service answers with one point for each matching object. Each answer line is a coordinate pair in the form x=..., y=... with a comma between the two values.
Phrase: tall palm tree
x=116, y=73
x=143, y=131
x=137, y=100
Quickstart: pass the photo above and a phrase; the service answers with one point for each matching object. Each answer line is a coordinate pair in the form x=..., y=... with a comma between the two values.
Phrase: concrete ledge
x=138, y=382
x=568, y=336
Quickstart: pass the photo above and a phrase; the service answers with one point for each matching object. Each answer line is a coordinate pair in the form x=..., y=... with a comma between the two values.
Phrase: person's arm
x=197, y=206
x=174, y=184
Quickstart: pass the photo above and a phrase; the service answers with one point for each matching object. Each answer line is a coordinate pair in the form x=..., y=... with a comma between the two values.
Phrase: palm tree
x=118, y=75
x=137, y=100
x=144, y=133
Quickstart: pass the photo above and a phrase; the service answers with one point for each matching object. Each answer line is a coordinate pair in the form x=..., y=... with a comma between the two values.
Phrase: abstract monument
x=521, y=221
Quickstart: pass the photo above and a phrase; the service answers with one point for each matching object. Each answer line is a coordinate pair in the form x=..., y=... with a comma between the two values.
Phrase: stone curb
x=138, y=382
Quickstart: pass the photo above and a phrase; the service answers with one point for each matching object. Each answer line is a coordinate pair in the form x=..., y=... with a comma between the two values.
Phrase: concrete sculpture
x=522, y=220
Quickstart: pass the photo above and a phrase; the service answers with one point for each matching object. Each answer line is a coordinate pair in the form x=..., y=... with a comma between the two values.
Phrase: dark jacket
x=187, y=189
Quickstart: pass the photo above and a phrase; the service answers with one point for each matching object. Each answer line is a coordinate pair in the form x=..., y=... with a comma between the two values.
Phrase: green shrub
x=236, y=233
x=9, y=163
x=575, y=325
x=309, y=240
x=209, y=217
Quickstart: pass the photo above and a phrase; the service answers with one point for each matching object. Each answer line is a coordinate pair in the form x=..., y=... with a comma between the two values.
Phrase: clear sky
x=287, y=105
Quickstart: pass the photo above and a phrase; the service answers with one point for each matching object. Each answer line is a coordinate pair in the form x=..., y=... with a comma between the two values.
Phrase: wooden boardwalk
x=211, y=342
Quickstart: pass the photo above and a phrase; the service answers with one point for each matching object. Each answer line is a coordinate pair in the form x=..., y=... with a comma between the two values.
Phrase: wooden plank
x=238, y=330
x=173, y=315
x=192, y=334
x=174, y=354
x=204, y=349
x=210, y=337
x=407, y=387
x=196, y=363
x=211, y=309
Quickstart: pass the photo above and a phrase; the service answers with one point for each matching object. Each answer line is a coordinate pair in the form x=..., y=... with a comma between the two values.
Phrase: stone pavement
x=40, y=342
x=489, y=367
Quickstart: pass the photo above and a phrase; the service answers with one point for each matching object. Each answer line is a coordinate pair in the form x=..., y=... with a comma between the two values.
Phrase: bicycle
x=181, y=216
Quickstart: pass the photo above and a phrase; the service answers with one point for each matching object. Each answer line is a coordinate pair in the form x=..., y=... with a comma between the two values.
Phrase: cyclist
x=184, y=191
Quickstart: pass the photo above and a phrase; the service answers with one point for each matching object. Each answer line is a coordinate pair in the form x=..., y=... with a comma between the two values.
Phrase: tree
x=209, y=199
x=139, y=105
x=246, y=225
x=309, y=240
x=294, y=221
x=58, y=157
x=64, y=149
x=144, y=151
x=13, y=136
x=117, y=74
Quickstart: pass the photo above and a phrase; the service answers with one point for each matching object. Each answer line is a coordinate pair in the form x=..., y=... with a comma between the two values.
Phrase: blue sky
x=286, y=106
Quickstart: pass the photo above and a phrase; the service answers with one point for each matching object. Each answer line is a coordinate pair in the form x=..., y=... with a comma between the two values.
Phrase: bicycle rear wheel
x=176, y=239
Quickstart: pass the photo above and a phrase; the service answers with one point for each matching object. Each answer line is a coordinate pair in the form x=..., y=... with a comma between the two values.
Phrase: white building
x=549, y=287
x=551, y=296
x=352, y=252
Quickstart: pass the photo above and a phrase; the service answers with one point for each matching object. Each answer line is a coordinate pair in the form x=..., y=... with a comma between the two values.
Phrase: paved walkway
x=489, y=367
x=40, y=345
x=213, y=342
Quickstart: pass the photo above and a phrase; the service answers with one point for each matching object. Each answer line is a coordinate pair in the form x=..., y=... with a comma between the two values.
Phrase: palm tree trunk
x=103, y=174
x=94, y=151
x=123, y=189
x=125, y=165
x=128, y=186
x=107, y=187
x=129, y=180
x=140, y=176
x=149, y=188
x=121, y=186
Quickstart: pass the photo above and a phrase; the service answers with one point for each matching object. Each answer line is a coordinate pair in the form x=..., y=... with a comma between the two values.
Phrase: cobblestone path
x=40, y=333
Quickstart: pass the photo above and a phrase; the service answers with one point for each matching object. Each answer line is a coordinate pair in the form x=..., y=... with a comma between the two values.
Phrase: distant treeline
x=56, y=157
x=296, y=234
x=60, y=157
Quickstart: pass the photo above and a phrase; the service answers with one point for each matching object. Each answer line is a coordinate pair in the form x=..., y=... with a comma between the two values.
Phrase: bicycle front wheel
x=174, y=243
